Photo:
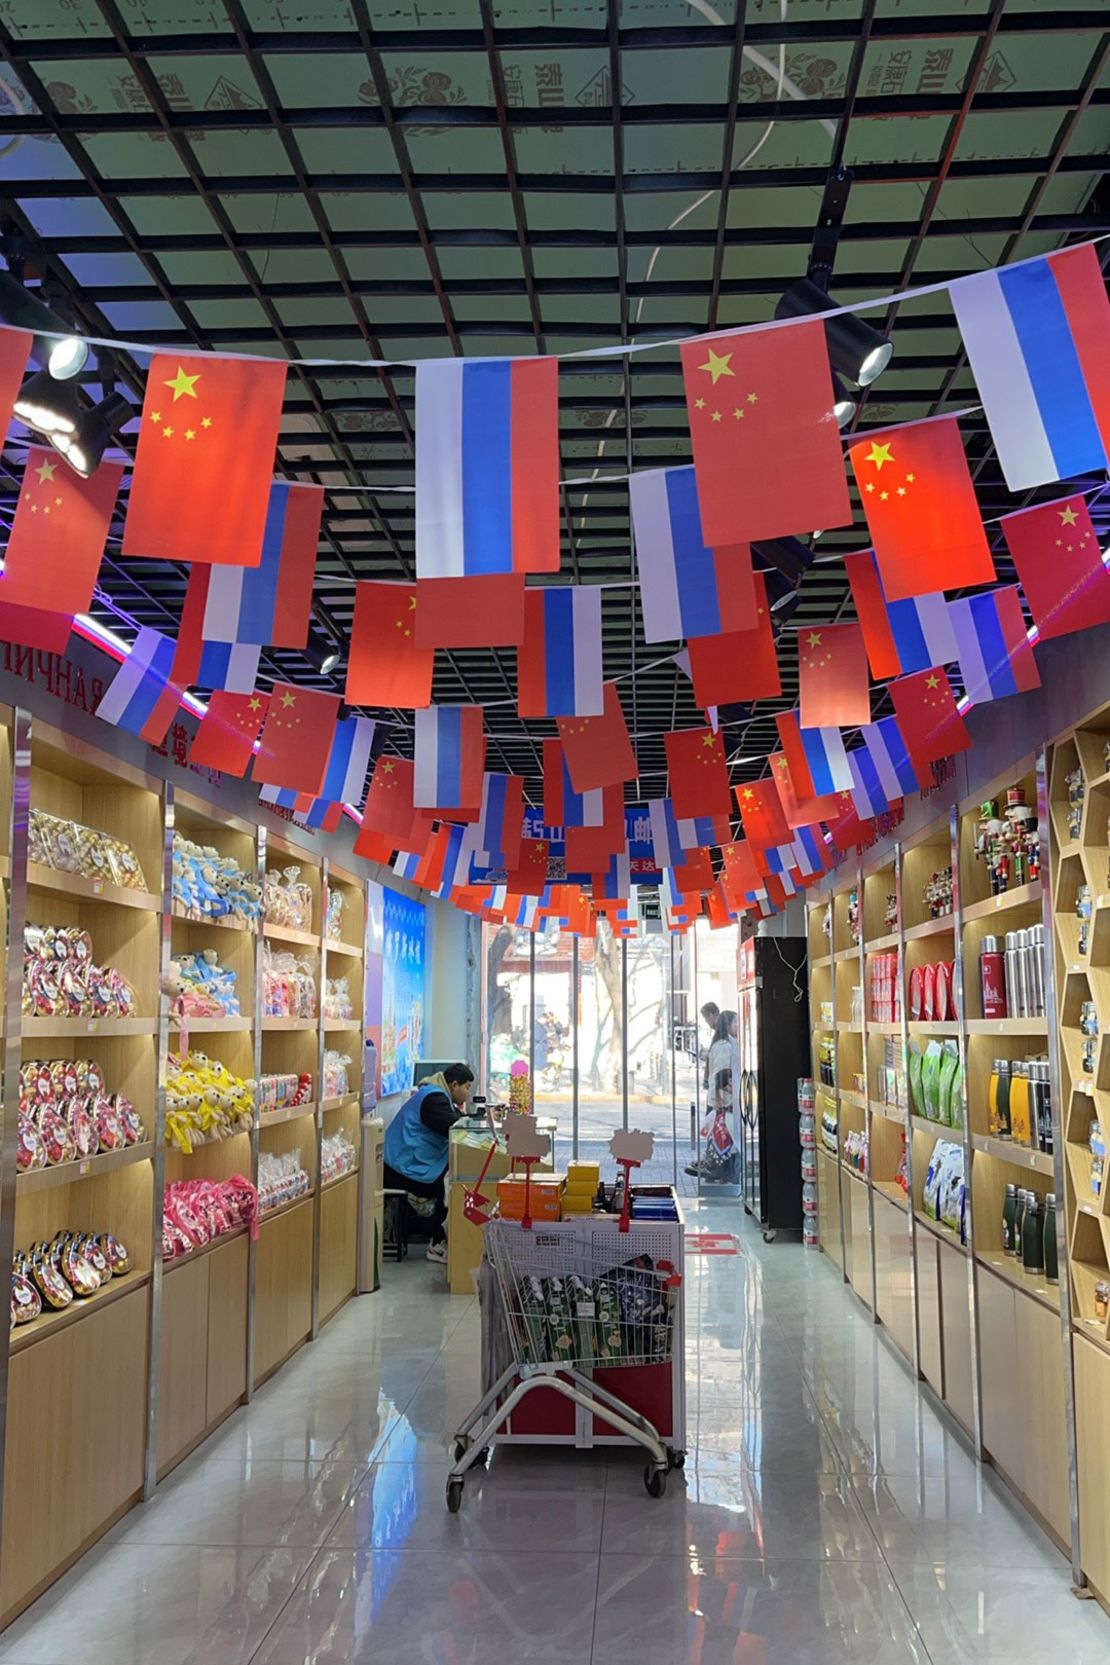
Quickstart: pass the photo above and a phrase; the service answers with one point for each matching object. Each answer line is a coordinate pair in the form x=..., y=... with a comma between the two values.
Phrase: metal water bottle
x=992, y=979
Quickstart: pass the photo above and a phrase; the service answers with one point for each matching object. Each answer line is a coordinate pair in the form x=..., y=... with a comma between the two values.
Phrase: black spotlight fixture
x=57, y=349
x=788, y=556
x=78, y=432
x=856, y=347
x=782, y=592
x=844, y=406
x=321, y=652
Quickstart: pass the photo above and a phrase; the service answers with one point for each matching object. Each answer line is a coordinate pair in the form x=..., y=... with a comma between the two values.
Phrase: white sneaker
x=437, y=1253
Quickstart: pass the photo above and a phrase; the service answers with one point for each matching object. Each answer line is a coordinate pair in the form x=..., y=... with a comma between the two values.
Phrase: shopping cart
x=573, y=1302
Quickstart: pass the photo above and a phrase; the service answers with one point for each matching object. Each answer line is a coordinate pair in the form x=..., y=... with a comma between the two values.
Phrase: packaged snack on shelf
x=205, y=1102
x=196, y=1211
x=288, y=985
x=337, y=1156
x=287, y=900
x=336, y=1077
x=281, y=1179
x=69, y=847
x=209, y=886
x=71, y=1267
x=202, y=987
x=275, y=1092
x=66, y=1114
x=61, y=979
x=333, y=922
x=337, y=998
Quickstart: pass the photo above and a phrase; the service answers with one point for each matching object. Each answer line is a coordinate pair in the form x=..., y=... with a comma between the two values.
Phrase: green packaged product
x=930, y=1080
x=533, y=1314
x=917, y=1103
x=948, y=1101
x=584, y=1309
x=608, y=1329
x=560, y=1326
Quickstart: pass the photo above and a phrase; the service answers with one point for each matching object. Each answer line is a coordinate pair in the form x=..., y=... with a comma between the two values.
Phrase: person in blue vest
x=417, y=1144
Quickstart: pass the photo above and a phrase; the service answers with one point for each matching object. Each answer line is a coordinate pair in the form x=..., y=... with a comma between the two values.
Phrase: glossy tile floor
x=826, y=1516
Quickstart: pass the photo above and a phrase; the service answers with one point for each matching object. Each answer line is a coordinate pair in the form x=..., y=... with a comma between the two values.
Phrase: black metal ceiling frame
x=459, y=677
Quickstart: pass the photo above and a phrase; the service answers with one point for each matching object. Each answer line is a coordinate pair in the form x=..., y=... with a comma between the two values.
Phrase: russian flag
x=1036, y=334
x=448, y=757
x=348, y=761
x=686, y=589
x=406, y=865
x=281, y=797
x=500, y=823
x=525, y=913
x=666, y=840
x=808, y=852
x=616, y=881
x=702, y=831
x=562, y=805
x=827, y=760
x=141, y=697
x=868, y=795
x=270, y=604
x=900, y=636
x=487, y=467
x=887, y=750
x=559, y=663
x=995, y=653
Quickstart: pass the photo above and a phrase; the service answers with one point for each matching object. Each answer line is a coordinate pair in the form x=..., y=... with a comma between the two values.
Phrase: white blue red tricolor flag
x=994, y=650
x=349, y=761
x=890, y=758
x=559, y=667
x=142, y=697
x=449, y=755
x=686, y=589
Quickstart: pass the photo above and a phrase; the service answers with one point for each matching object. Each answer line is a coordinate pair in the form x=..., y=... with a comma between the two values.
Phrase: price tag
x=85, y=1166
x=92, y=1026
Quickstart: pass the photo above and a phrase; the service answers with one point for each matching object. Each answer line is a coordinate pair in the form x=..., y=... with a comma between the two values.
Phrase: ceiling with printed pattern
x=350, y=179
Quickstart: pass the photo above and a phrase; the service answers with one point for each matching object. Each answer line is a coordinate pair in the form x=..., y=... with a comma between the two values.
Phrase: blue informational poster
x=402, y=990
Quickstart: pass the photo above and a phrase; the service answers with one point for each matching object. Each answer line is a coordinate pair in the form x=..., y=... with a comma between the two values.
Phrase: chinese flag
x=927, y=716
x=31, y=627
x=389, y=808
x=718, y=909
x=228, y=730
x=597, y=749
x=1059, y=566
x=766, y=445
x=470, y=612
x=739, y=873
x=384, y=665
x=761, y=812
x=296, y=739
x=696, y=872
x=921, y=508
x=58, y=534
x=203, y=466
x=799, y=812
x=530, y=877
x=847, y=831
x=740, y=664
x=833, y=686
x=15, y=350
x=698, y=773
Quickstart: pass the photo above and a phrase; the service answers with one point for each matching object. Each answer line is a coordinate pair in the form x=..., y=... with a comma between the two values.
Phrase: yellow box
x=583, y=1174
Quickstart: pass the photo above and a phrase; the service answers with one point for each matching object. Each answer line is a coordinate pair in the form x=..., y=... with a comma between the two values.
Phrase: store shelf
x=186, y=918
x=1083, y=1206
x=854, y=1173
x=66, y=1173
x=286, y=933
x=285, y=1113
x=918, y=1026
x=350, y=1173
x=341, y=1103
x=1010, y=1272
x=876, y=945
x=884, y=1028
x=1021, y=896
x=821, y=962
x=90, y=890
x=844, y=954
x=50, y=1322
x=211, y=1026
x=855, y=1100
x=889, y=1112
x=1011, y=1025
x=849, y=1028
x=57, y=1028
x=342, y=1026
x=1019, y=1156
x=205, y=1249
x=208, y=1144
x=941, y=1231
x=351, y=949
x=930, y=928
x=269, y=1214
x=284, y=1025
x=937, y=1130
x=893, y=1192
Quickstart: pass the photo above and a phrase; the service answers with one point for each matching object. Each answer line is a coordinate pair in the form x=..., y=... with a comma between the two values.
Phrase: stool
x=395, y=1225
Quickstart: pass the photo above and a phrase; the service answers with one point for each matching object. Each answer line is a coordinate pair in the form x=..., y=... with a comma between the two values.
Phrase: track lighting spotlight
x=856, y=347
x=844, y=406
x=77, y=432
x=84, y=449
x=321, y=653
x=788, y=556
x=48, y=406
x=58, y=351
